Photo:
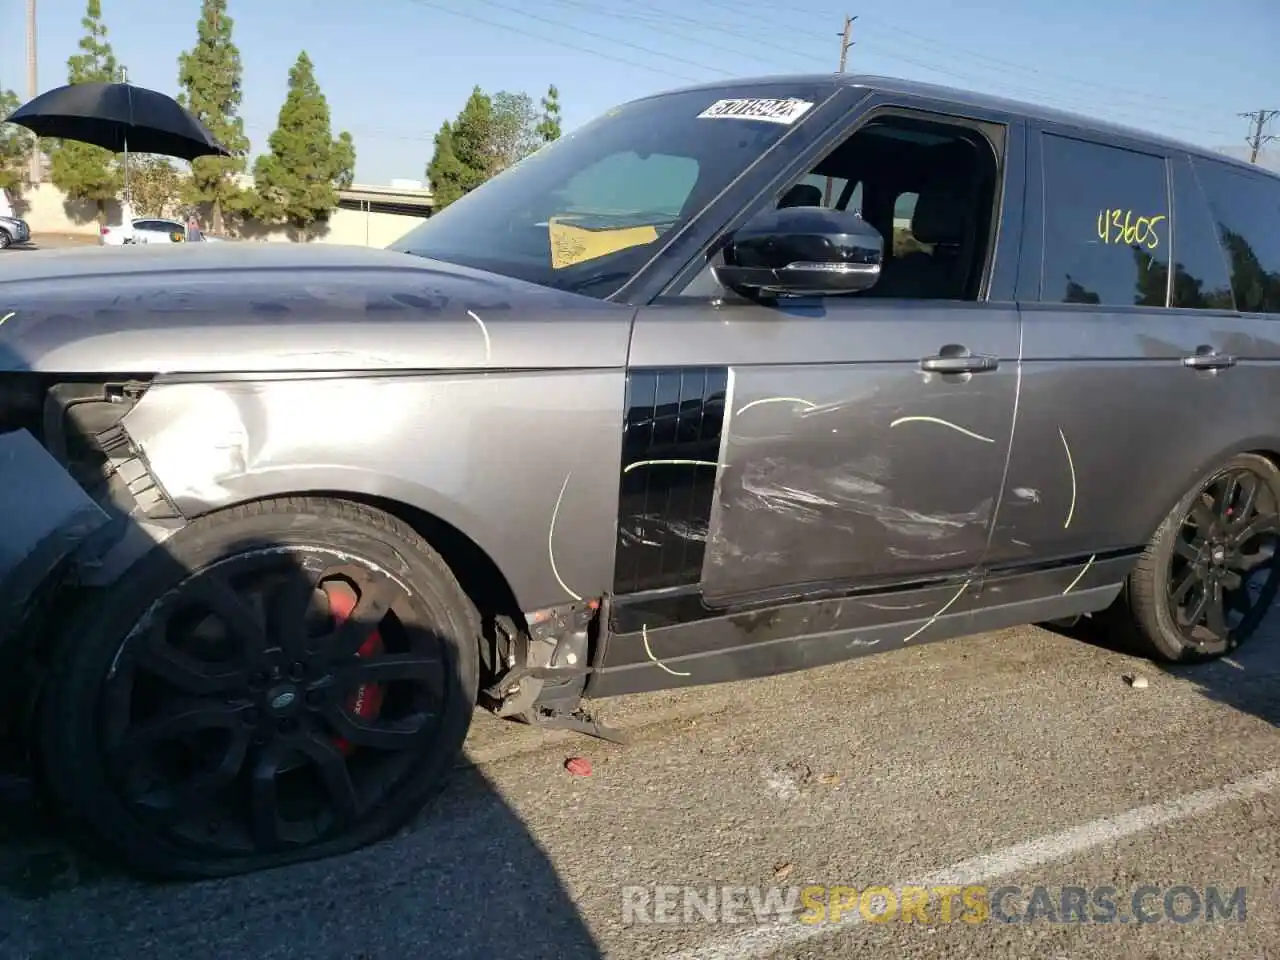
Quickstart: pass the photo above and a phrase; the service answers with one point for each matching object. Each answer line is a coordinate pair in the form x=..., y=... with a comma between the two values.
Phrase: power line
x=681, y=27
x=1256, y=138
x=562, y=25
x=1021, y=71
x=663, y=71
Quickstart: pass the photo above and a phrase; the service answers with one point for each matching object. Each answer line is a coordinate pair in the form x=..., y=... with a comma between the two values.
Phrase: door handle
x=1207, y=358
x=958, y=360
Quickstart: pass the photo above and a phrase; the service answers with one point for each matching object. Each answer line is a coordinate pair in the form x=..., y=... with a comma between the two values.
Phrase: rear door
x=1121, y=403
x=781, y=450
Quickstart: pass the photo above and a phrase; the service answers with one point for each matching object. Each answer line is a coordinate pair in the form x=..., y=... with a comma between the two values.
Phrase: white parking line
x=765, y=940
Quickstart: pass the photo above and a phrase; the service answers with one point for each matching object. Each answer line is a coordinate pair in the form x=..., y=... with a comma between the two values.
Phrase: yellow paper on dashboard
x=571, y=245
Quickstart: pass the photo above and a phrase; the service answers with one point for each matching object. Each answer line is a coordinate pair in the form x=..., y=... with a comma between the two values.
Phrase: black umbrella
x=120, y=117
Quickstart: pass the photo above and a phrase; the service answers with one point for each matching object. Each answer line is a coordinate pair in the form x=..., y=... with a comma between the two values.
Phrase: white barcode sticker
x=772, y=111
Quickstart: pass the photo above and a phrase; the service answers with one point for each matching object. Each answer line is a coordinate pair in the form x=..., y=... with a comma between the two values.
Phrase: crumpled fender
x=45, y=517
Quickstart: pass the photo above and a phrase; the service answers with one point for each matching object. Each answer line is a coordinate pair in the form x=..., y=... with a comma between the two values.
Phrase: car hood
x=235, y=307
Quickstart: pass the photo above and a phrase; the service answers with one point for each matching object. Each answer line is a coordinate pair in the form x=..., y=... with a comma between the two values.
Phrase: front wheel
x=5, y=240
x=1212, y=571
x=279, y=682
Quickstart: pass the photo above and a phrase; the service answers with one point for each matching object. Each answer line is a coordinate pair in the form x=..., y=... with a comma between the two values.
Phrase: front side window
x=1246, y=209
x=588, y=211
x=1106, y=225
x=929, y=187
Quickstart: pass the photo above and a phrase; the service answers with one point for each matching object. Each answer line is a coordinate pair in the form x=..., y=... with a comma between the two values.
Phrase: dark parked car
x=734, y=380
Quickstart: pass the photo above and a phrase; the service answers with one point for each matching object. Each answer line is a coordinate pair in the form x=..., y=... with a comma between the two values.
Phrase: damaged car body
x=735, y=380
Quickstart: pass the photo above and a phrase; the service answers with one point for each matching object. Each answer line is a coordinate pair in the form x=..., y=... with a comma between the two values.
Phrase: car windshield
x=586, y=212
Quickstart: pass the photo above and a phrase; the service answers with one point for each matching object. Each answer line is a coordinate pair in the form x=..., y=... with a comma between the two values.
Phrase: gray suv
x=734, y=380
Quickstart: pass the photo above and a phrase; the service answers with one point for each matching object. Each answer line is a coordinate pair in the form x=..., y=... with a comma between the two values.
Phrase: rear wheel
x=279, y=682
x=1212, y=571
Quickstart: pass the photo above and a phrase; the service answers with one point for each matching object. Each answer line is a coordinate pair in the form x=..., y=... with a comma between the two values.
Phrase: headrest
x=801, y=195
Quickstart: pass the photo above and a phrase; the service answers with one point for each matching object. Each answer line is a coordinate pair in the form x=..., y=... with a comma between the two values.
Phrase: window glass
x=1106, y=230
x=1200, y=277
x=586, y=212
x=1246, y=209
x=624, y=182
x=904, y=237
x=833, y=189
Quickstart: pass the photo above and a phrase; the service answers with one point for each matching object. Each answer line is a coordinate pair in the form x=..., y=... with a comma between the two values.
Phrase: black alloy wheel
x=295, y=697
x=1213, y=571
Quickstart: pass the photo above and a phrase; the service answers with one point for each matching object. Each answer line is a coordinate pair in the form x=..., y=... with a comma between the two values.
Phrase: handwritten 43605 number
x=1121, y=226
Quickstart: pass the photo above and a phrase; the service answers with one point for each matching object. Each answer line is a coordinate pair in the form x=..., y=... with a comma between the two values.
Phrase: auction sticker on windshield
x=786, y=111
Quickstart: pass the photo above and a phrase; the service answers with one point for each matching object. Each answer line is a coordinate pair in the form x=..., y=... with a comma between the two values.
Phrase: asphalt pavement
x=1008, y=767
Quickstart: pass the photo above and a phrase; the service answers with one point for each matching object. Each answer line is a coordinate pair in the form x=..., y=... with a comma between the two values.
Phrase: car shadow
x=465, y=879
x=1248, y=680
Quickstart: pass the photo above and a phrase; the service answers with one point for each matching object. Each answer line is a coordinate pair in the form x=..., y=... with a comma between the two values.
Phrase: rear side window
x=1201, y=280
x=1246, y=209
x=1106, y=225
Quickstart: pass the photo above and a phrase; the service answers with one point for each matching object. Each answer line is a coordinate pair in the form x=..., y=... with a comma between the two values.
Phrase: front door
x=829, y=444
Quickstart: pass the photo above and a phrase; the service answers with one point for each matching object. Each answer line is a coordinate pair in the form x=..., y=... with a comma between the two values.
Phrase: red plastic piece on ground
x=578, y=766
x=366, y=702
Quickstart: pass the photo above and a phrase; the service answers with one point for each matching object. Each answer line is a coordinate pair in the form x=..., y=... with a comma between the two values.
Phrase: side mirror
x=802, y=252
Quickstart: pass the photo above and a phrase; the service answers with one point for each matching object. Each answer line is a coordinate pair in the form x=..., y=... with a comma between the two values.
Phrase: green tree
x=15, y=144
x=515, y=129
x=297, y=182
x=157, y=186
x=344, y=160
x=465, y=155
x=549, y=126
x=210, y=76
x=445, y=172
x=81, y=171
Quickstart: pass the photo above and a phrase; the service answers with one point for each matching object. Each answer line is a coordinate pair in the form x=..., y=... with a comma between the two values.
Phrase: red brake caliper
x=366, y=701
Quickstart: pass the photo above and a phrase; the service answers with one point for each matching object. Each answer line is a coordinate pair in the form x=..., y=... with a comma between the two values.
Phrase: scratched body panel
x=1113, y=429
x=471, y=450
x=277, y=308
x=836, y=441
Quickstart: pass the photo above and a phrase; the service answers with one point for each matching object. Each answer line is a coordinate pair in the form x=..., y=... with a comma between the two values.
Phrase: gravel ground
x=1019, y=758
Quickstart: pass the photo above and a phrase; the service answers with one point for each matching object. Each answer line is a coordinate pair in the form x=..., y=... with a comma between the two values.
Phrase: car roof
x=968, y=98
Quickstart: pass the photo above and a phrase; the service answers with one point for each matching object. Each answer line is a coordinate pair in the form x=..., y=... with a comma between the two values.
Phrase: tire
x=116, y=656
x=5, y=240
x=1167, y=565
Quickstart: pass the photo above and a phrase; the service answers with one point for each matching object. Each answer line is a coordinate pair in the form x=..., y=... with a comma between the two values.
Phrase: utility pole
x=1257, y=138
x=32, y=86
x=846, y=41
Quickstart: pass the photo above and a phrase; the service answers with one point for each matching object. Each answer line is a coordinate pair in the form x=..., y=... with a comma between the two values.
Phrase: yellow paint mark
x=934, y=619
x=551, y=533
x=944, y=423
x=644, y=635
x=763, y=400
x=6, y=318
x=572, y=245
x=1124, y=227
x=670, y=463
x=1079, y=576
x=1071, y=466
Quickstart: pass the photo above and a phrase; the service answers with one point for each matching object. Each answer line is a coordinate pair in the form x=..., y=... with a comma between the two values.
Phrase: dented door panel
x=838, y=462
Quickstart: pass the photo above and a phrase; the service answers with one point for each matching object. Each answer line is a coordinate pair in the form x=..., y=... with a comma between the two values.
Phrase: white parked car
x=151, y=230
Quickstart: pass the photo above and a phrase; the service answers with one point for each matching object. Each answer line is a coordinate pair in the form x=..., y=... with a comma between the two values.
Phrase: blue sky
x=394, y=69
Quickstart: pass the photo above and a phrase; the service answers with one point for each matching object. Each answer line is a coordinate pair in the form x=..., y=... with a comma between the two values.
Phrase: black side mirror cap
x=802, y=252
